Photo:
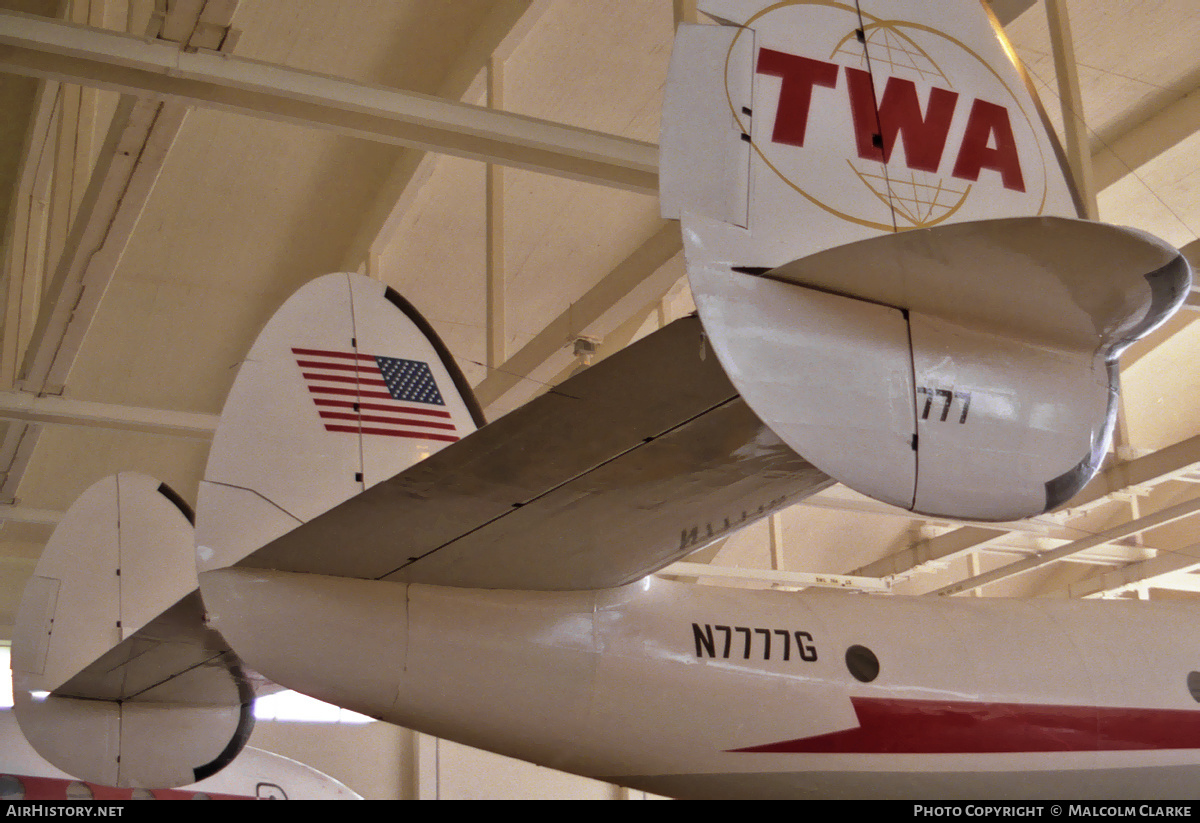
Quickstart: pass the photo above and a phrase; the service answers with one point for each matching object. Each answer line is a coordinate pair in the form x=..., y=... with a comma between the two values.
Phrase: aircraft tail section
x=883, y=246
x=116, y=678
x=345, y=386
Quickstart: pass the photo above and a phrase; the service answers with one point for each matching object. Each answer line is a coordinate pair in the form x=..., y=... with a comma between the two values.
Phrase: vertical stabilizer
x=345, y=387
x=801, y=126
x=885, y=251
x=116, y=679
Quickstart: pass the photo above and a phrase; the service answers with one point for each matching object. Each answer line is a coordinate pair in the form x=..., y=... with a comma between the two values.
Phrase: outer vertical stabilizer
x=116, y=679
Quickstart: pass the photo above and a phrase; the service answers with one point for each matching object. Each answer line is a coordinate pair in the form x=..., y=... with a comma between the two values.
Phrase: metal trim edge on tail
x=460, y=382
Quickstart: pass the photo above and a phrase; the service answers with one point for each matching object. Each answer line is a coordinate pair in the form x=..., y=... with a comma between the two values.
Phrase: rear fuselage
x=697, y=691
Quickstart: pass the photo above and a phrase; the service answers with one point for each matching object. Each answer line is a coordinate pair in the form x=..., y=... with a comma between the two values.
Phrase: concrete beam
x=62, y=411
x=46, y=48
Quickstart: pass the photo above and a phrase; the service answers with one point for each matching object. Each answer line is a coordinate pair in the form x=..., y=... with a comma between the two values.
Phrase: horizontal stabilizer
x=964, y=370
x=116, y=678
x=255, y=774
x=1050, y=281
x=634, y=462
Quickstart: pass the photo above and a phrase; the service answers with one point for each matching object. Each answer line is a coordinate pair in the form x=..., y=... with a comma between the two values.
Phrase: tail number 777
x=936, y=398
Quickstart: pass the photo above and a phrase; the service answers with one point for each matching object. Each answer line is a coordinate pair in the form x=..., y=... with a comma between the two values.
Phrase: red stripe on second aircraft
x=890, y=726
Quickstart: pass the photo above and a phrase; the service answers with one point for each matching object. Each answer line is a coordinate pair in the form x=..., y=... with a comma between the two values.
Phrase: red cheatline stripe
x=393, y=433
x=56, y=788
x=345, y=355
x=347, y=404
x=892, y=726
x=374, y=418
x=338, y=378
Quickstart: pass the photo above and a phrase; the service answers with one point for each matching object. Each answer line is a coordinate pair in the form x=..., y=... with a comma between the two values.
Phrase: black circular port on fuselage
x=862, y=663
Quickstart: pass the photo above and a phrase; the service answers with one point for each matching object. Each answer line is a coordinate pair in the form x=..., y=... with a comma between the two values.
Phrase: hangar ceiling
x=148, y=236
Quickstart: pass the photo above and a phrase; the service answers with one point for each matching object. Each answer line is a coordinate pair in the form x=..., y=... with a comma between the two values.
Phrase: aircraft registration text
x=714, y=641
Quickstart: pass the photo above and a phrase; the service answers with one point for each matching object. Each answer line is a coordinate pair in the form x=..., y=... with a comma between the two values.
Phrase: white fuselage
x=697, y=691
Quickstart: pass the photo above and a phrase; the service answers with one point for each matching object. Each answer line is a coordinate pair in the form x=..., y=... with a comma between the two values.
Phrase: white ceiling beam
x=770, y=577
x=1136, y=526
x=493, y=206
x=61, y=51
x=943, y=548
x=25, y=514
x=1184, y=581
x=1148, y=470
x=63, y=411
x=24, y=237
x=1144, y=572
x=125, y=173
x=1065, y=68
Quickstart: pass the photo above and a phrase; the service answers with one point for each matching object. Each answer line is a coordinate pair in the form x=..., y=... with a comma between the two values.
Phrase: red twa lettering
x=899, y=115
x=989, y=121
x=988, y=141
x=799, y=75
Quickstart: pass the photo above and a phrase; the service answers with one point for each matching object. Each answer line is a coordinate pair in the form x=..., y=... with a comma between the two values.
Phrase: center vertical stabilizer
x=345, y=387
x=883, y=246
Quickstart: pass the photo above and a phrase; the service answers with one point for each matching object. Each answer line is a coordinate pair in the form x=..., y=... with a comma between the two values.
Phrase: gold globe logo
x=921, y=161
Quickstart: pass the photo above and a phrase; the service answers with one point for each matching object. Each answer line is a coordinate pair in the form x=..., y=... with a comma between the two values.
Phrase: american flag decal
x=364, y=393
